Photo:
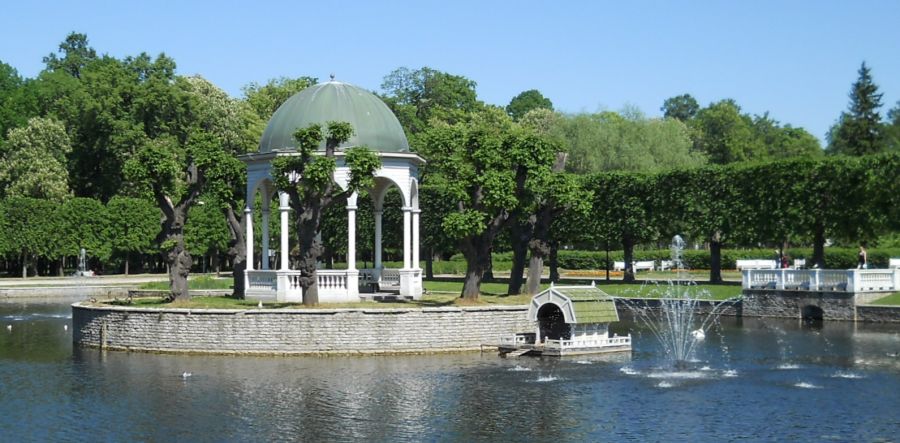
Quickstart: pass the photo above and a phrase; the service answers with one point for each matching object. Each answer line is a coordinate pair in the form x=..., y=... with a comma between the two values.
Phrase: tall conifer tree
x=858, y=131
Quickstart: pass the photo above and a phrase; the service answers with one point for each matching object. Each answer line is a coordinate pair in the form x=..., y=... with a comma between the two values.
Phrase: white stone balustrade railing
x=390, y=277
x=261, y=280
x=594, y=342
x=833, y=280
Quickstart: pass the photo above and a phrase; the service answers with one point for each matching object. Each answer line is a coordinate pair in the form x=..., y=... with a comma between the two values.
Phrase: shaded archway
x=552, y=323
x=811, y=313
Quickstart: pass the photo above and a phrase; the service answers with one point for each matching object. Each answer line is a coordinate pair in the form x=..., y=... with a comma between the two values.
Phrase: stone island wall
x=834, y=305
x=295, y=331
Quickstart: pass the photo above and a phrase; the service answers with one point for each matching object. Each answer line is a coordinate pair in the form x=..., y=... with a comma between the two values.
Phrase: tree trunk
x=126, y=263
x=179, y=260
x=237, y=249
x=488, y=274
x=715, y=258
x=519, y=236
x=62, y=264
x=628, y=249
x=310, y=250
x=429, y=263
x=24, y=267
x=818, y=257
x=535, y=268
x=554, y=261
x=477, y=252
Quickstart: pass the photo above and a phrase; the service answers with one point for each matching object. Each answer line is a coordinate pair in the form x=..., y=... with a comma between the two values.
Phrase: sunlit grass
x=439, y=294
x=200, y=282
x=893, y=299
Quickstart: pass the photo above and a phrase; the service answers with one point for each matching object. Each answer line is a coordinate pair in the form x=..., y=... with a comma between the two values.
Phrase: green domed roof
x=374, y=124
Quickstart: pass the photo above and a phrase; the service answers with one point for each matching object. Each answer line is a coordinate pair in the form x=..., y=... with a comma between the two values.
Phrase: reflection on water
x=751, y=379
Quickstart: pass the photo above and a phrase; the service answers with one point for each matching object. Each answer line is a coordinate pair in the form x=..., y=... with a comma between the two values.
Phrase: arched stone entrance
x=812, y=313
x=552, y=323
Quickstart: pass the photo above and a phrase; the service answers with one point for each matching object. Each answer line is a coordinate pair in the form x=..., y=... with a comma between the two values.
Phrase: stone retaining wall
x=64, y=291
x=295, y=331
x=834, y=305
x=878, y=314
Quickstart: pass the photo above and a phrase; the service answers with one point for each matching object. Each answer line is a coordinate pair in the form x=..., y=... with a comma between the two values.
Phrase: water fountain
x=82, y=265
x=683, y=315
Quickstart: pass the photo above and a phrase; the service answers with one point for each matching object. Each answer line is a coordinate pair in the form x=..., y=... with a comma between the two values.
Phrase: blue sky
x=795, y=59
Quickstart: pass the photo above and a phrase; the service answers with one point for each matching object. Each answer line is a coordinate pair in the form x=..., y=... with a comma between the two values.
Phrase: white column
x=377, y=238
x=415, y=238
x=265, y=240
x=285, y=259
x=351, y=238
x=407, y=260
x=248, y=213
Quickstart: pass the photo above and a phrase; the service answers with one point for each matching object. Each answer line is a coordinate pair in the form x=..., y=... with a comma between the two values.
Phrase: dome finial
x=332, y=76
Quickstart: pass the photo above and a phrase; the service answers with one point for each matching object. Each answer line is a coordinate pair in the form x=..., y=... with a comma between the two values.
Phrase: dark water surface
x=752, y=380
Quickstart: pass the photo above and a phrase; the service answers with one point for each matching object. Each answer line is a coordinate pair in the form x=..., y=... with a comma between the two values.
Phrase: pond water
x=755, y=380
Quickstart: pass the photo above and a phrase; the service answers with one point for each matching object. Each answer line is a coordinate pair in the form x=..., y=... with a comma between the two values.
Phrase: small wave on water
x=689, y=375
x=628, y=370
x=730, y=373
x=788, y=366
x=706, y=368
x=846, y=374
x=518, y=368
x=546, y=378
x=665, y=384
x=806, y=385
x=583, y=362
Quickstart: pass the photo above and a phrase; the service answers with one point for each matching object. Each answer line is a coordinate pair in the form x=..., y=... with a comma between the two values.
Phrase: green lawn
x=646, y=290
x=893, y=299
x=441, y=294
x=201, y=282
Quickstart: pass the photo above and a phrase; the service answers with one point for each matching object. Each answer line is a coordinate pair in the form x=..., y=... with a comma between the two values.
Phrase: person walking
x=862, y=258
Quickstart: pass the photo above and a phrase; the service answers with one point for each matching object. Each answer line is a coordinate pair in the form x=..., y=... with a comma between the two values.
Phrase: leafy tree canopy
x=527, y=101
x=32, y=162
x=417, y=96
x=682, y=107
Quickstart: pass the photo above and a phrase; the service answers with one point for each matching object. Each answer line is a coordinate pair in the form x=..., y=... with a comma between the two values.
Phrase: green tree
x=133, y=225
x=239, y=127
x=308, y=179
x=858, y=130
x=10, y=86
x=725, y=135
x=206, y=232
x=527, y=101
x=559, y=194
x=83, y=223
x=31, y=230
x=174, y=173
x=33, y=159
x=892, y=129
x=75, y=54
x=682, y=107
x=417, y=96
x=622, y=211
x=487, y=167
x=610, y=141
x=783, y=142
x=265, y=99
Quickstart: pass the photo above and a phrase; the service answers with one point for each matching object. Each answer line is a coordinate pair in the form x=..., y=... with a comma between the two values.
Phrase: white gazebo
x=374, y=126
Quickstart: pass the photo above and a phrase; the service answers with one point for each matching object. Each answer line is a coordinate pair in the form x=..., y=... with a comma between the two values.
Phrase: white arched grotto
x=376, y=127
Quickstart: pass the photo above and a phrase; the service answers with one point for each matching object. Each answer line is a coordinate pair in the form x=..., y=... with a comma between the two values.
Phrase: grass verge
x=893, y=299
x=440, y=294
